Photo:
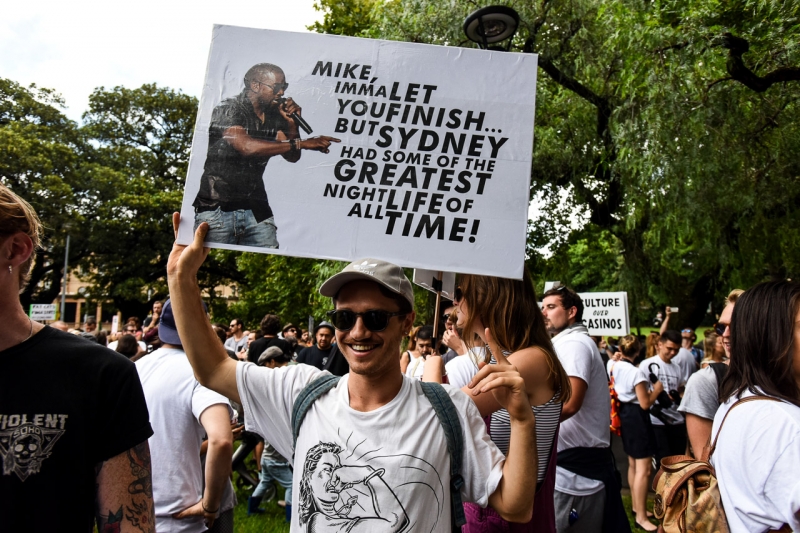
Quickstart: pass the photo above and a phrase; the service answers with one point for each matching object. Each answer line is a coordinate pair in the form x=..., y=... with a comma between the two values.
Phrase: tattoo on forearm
x=138, y=511
x=140, y=515
x=139, y=457
x=110, y=523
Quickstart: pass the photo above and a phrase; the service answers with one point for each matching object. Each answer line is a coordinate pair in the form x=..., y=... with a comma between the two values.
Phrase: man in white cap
x=371, y=454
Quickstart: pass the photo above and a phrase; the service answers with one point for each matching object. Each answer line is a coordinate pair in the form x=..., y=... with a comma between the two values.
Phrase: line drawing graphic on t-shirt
x=342, y=489
x=25, y=447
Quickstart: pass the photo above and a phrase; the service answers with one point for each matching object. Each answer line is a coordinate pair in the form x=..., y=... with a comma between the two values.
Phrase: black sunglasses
x=720, y=329
x=276, y=87
x=374, y=319
x=458, y=295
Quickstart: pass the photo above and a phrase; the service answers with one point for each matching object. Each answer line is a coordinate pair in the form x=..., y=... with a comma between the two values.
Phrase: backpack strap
x=306, y=399
x=720, y=370
x=739, y=402
x=448, y=417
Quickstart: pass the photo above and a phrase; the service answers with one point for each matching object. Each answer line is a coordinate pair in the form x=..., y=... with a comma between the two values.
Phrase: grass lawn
x=626, y=502
x=272, y=521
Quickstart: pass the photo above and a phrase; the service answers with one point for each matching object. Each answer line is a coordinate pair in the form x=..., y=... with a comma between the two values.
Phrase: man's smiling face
x=371, y=353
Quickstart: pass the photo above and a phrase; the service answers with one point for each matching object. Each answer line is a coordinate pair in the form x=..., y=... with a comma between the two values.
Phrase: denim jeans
x=238, y=227
x=280, y=472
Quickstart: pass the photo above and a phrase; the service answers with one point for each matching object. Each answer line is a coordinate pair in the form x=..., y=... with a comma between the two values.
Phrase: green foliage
x=40, y=160
x=657, y=136
x=353, y=17
x=285, y=286
x=111, y=184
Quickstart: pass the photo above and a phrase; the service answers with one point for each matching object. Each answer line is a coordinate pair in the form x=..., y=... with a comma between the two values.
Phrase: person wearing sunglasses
x=757, y=454
x=244, y=134
x=374, y=440
x=452, y=337
x=504, y=314
x=701, y=397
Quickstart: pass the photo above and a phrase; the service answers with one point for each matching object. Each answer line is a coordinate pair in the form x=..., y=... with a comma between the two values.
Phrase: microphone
x=299, y=120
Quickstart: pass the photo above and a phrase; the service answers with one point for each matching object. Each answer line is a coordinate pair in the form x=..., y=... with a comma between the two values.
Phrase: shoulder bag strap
x=448, y=417
x=306, y=399
x=739, y=402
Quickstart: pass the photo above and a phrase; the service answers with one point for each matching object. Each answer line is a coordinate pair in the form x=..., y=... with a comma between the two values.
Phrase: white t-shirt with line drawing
x=383, y=470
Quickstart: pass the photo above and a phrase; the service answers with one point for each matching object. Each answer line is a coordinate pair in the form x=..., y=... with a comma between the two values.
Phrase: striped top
x=547, y=420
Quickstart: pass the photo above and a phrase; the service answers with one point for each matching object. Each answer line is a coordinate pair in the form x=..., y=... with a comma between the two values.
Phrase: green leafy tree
x=665, y=129
x=143, y=139
x=41, y=161
x=348, y=17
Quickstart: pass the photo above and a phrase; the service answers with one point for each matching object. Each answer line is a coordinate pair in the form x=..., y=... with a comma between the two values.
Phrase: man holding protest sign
x=353, y=473
x=245, y=132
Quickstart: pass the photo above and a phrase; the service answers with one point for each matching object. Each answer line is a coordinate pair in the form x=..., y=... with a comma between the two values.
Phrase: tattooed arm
x=125, y=493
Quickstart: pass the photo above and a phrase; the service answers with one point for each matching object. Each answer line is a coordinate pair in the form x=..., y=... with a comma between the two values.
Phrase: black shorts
x=670, y=440
x=638, y=437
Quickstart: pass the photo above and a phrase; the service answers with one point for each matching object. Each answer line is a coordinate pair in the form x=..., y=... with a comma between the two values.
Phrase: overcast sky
x=74, y=46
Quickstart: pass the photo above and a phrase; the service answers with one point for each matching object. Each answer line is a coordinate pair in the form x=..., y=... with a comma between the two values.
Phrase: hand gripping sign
x=419, y=155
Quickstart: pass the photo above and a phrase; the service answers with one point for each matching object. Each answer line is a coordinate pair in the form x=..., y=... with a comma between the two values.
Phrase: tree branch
x=737, y=47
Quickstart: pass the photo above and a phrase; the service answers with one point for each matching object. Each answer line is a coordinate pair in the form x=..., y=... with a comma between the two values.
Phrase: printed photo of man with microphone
x=245, y=132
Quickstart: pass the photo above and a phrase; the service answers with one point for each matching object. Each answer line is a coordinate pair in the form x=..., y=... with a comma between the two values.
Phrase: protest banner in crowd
x=606, y=313
x=427, y=280
x=42, y=312
x=419, y=155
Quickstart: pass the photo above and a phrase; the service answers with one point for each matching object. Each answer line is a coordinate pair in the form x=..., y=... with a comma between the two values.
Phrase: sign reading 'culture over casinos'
x=419, y=155
x=606, y=313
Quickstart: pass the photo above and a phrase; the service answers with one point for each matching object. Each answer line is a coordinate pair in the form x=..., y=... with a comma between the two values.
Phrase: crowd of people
x=503, y=424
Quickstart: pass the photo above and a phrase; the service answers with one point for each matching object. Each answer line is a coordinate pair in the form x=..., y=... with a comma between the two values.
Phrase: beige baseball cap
x=387, y=274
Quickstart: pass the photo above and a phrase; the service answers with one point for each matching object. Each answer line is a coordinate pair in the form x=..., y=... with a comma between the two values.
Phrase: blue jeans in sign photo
x=280, y=472
x=238, y=227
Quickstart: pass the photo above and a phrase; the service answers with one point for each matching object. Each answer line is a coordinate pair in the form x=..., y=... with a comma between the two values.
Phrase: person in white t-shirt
x=238, y=340
x=757, y=455
x=585, y=501
x=371, y=454
x=414, y=360
x=686, y=361
x=181, y=412
x=701, y=397
x=636, y=395
x=668, y=424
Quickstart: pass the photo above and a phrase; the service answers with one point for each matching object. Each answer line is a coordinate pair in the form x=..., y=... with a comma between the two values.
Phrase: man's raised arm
x=212, y=366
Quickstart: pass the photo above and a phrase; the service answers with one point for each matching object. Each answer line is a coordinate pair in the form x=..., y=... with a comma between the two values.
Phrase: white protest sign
x=606, y=313
x=41, y=312
x=550, y=284
x=425, y=279
x=433, y=167
x=114, y=324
